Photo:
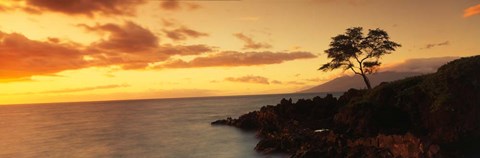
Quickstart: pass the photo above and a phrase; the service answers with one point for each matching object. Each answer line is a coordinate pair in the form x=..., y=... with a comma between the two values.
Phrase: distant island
x=432, y=115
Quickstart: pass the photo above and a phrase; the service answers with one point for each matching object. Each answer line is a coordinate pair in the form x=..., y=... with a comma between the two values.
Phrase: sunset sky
x=85, y=50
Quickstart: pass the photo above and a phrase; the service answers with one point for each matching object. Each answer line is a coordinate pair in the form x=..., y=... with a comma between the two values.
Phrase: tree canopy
x=358, y=53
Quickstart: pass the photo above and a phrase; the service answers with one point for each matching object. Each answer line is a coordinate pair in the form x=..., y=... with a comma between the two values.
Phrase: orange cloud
x=276, y=82
x=170, y=5
x=4, y=8
x=21, y=57
x=234, y=58
x=471, y=11
x=129, y=45
x=129, y=37
x=72, y=90
x=86, y=89
x=53, y=40
x=259, y=80
x=85, y=7
x=351, y=2
x=184, y=50
x=169, y=22
x=183, y=33
x=176, y=5
x=249, y=79
x=289, y=82
x=250, y=44
x=296, y=83
x=133, y=39
x=24, y=79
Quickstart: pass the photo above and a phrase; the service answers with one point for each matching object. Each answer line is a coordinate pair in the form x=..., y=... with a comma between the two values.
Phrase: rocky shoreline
x=434, y=115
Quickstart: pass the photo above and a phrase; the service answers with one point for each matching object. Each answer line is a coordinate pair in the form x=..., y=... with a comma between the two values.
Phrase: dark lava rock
x=434, y=115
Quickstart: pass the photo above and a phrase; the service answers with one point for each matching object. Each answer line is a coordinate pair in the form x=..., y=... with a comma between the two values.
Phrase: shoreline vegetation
x=433, y=115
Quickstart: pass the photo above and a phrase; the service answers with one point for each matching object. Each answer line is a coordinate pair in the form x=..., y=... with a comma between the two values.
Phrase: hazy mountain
x=408, y=68
x=344, y=83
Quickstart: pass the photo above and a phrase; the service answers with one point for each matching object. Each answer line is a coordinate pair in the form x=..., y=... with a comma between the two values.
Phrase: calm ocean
x=164, y=128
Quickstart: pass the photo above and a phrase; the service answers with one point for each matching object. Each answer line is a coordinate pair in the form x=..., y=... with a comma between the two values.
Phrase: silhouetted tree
x=358, y=53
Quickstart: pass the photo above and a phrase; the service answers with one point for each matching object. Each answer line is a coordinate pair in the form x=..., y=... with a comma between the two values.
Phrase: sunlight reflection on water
x=143, y=128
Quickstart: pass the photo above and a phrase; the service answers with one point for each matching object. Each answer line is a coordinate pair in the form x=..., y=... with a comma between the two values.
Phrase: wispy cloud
x=93, y=8
x=471, y=11
x=86, y=88
x=9, y=80
x=170, y=5
x=296, y=83
x=73, y=90
x=169, y=22
x=260, y=80
x=249, y=43
x=351, y=2
x=249, y=79
x=6, y=8
x=184, y=49
x=183, y=33
x=88, y=8
x=432, y=45
x=174, y=5
x=234, y=58
x=276, y=82
x=179, y=32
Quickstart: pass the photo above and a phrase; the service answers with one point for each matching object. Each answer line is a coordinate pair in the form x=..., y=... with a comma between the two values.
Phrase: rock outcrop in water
x=434, y=115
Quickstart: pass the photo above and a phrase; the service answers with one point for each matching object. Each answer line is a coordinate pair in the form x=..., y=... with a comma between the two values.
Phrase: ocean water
x=164, y=128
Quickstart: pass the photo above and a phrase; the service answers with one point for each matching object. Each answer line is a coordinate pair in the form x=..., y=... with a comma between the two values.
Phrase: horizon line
x=166, y=98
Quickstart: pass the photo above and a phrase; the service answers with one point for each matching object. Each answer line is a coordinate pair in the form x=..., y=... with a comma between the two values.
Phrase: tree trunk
x=367, y=82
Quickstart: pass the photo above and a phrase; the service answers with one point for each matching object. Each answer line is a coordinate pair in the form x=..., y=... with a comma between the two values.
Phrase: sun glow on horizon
x=115, y=50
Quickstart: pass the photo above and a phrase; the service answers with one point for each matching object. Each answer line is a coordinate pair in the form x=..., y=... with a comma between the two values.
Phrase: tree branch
x=366, y=57
x=369, y=54
x=360, y=65
x=359, y=62
x=351, y=68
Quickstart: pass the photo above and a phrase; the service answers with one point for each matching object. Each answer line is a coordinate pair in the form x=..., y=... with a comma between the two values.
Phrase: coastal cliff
x=434, y=115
